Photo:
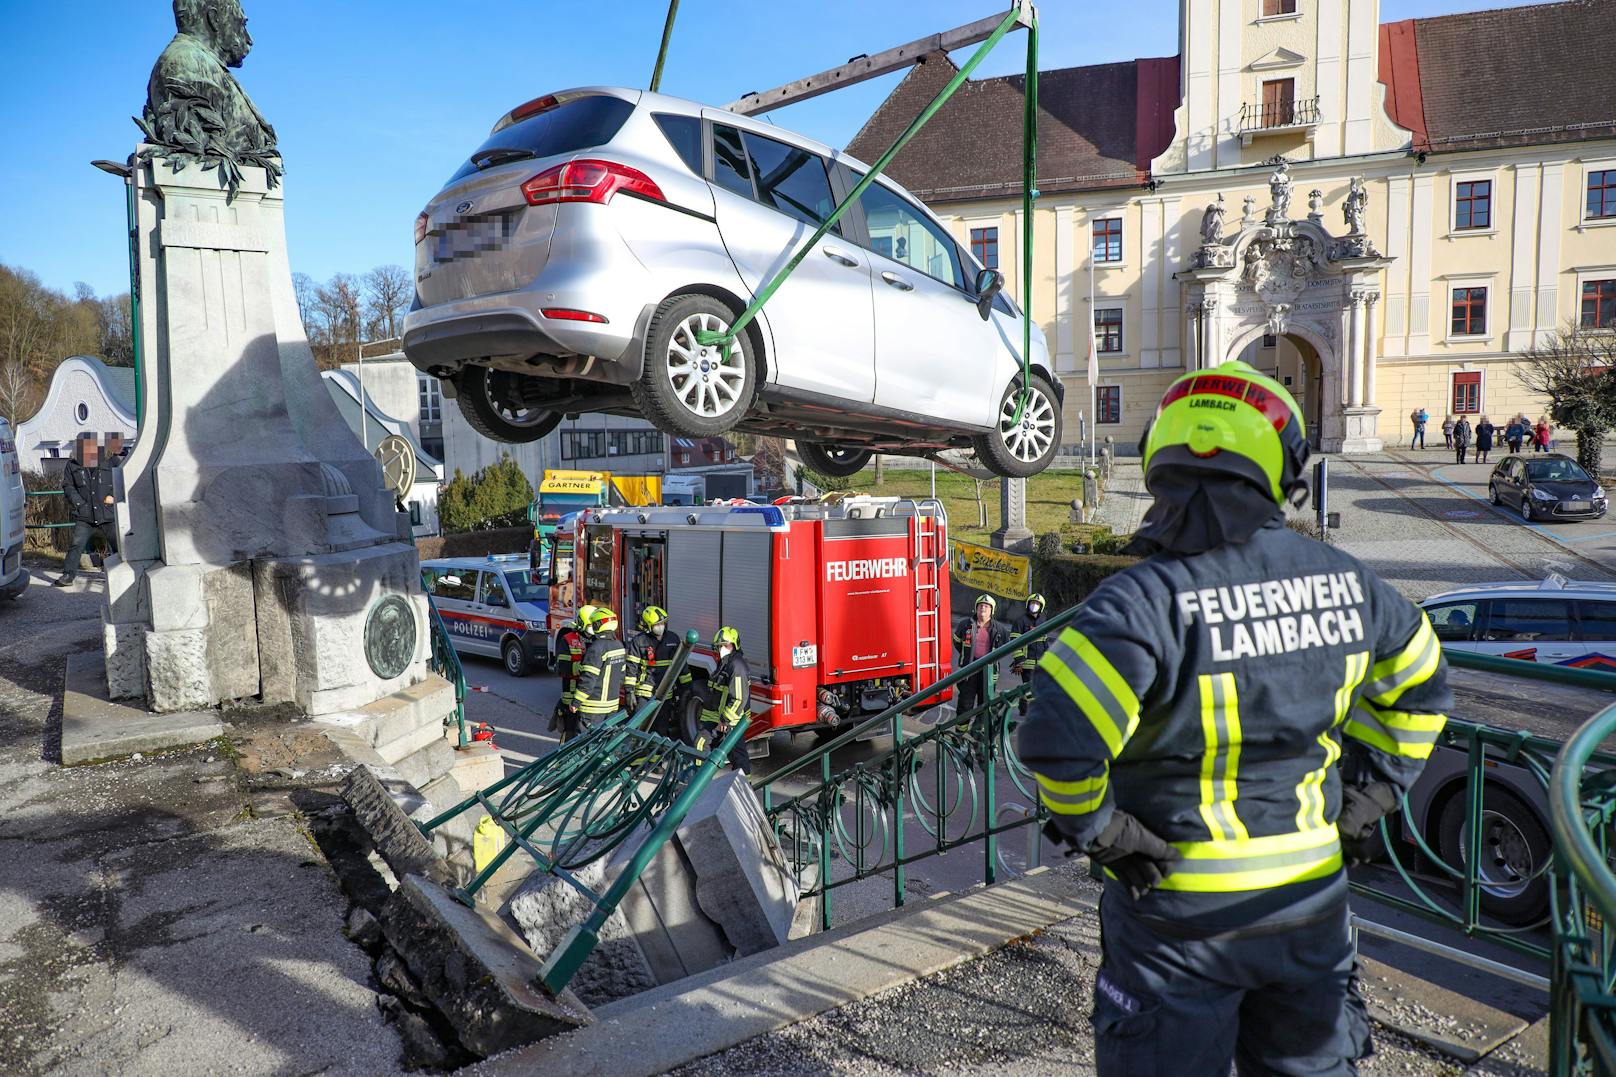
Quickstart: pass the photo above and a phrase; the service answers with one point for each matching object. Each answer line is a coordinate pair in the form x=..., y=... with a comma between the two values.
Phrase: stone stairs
x=405, y=737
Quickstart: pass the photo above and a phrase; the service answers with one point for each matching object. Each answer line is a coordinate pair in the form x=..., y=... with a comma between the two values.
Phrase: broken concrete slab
x=1525, y=1055
x=398, y=840
x=475, y=970
x=743, y=882
x=1454, y=1024
x=96, y=728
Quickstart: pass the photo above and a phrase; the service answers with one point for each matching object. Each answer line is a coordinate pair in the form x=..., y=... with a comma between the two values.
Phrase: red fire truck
x=842, y=607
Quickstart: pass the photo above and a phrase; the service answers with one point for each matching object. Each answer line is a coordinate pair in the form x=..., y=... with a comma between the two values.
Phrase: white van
x=13, y=577
x=492, y=607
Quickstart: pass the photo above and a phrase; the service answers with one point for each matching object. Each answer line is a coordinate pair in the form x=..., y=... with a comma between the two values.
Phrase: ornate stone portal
x=1278, y=276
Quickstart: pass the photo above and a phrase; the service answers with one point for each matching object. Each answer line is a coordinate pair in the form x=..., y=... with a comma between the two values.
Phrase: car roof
x=1553, y=587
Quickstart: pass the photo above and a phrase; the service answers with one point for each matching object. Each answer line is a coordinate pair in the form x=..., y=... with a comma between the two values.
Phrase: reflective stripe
x=1409, y=736
x=1220, y=724
x=595, y=706
x=1310, y=790
x=1095, y=686
x=1072, y=798
x=1255, y=863
x=1413, y=665
x=588, y=669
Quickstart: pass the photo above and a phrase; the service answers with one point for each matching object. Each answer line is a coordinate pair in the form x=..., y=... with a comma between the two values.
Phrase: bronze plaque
x=390, y=637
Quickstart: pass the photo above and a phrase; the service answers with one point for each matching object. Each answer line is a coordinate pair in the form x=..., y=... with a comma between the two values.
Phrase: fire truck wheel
x=690, y=718
x=1019, y=449
x=691, y=389
x=495, y=406
x=515, y=661
x=833, y=460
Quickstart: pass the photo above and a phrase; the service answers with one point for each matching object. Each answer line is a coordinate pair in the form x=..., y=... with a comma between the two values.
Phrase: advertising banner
x=982, y=568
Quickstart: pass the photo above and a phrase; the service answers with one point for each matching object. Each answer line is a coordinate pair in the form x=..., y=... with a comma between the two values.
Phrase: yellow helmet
x=652, y=616
x=726, y=635
x=601, y=620
x=584, y=615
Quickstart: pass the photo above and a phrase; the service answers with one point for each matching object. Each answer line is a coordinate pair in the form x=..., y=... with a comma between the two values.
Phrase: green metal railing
x=49, y=526
x=445, y=662
x=585, y=799
x=855, y=816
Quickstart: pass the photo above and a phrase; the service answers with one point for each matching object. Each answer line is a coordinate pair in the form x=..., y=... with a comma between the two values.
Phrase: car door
x=454, y=593
x=1533, y=628
x=1514, y=486
x=1456, y=623
x=495, y=609
x=934, y=355
x=769, y=197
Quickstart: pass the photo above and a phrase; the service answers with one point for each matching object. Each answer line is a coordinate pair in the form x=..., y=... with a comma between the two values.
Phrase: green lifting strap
x=726, y=338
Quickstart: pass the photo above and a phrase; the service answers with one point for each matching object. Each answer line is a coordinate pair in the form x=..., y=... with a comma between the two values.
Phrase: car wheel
x=1526, y=507
x=689, y=389
x=495, y=406
x=1492, y=493
x=515, y=661
x=1019, y=449
x=833, y=460
x=1514, y=847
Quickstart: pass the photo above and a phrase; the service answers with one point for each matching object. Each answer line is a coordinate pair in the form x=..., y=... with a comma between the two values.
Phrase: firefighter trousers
x=711, y=733
x=1285, y=1002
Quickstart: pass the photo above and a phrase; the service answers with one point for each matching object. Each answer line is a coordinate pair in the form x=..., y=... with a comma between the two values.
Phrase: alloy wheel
x=1031, y=438
x=1526, y=507
x=705, y=381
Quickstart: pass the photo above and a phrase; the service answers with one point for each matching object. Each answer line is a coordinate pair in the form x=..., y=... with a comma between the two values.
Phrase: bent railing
x=445, y=662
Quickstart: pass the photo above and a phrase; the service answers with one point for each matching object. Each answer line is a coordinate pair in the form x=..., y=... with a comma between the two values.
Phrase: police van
x=13, y=577
x=491, y=607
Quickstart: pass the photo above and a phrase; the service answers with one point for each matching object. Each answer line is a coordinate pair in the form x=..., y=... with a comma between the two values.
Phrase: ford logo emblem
x=463, y=206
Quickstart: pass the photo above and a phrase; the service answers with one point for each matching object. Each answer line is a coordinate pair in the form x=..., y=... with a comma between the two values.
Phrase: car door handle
x=897, y=281
x=839, y=257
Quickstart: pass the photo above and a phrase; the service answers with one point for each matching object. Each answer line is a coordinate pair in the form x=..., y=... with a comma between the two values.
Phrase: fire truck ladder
x=930, y=520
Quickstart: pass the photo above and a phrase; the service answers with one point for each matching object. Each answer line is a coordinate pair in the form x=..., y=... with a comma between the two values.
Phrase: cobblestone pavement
x=160, y=914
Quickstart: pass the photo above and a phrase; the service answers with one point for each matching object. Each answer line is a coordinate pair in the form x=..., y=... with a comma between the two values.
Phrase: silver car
x=570, y=263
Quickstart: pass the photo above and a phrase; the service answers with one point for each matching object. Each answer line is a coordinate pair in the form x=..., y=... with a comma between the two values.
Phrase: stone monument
x=263, y=560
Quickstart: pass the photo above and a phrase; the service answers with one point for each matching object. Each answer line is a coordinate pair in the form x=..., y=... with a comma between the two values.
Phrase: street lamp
x=364, y=410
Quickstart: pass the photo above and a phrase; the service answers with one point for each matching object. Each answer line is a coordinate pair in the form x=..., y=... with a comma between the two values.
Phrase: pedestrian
x=973, y=639
x=597, y=686
x=728, y=699
x=1461, y=437
x=1447, y=431
x=1024, y=659
x=1484, y=439
x=569, y=651
x=1419, y=417
x=1221, y=773
x=1514, y=434
x=1542, y=436
x=87, y=483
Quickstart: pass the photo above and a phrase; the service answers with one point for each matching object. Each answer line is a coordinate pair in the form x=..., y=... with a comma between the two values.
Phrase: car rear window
x=790, y=179
x=573, y=125
x=1598, y=620
x=684, y=135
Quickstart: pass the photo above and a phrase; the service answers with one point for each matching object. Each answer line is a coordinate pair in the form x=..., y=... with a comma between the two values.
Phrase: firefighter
x=1220, y=730
x=1024, y=659
x=597, y=684
x=650, y=653
x=570, y=642
x=728, y=698
x=974, y=638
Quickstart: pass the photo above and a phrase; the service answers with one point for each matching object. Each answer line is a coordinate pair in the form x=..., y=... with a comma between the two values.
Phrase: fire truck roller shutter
x=875, y=527
x=745, y=599
x=693, y=577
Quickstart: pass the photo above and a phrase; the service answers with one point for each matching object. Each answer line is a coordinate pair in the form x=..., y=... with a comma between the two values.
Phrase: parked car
x=492, y=607
x=571, y=262
x=1557, y=620
x=13, y=577
x=1546, y=487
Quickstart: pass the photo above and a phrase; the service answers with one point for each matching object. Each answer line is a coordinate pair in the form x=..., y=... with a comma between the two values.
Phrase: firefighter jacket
x=1212, y=697
x=569, y=652
x=1030, y=651
x=729, y=692
x=86, y=490
x=598, y=682
x=641, y=656
x=998, y=635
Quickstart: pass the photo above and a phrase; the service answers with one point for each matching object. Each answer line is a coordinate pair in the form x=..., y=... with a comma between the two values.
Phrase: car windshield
x=1555, y=471
x=573, y=125
x=522, y=587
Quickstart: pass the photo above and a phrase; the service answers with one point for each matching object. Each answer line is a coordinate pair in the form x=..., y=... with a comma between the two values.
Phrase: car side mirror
x=989, y=283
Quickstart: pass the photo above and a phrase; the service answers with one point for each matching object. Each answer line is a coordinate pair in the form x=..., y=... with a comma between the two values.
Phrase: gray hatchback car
x=571, y=261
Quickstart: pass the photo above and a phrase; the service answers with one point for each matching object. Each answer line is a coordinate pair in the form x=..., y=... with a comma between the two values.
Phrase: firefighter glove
x=1134, y=854
x=1362, y=807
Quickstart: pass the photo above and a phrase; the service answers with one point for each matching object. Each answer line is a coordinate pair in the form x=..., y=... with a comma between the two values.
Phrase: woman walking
x=1461, y=437
x=1447, y=431
x=1484, y=439
x=1540, y=435
x=1514, y=434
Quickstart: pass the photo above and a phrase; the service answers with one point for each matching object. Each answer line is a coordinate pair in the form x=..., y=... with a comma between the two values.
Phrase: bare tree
x=337, y=306
x=388, y=291
x=117, y=331
x=1575, y=367
x=18, y=390
x=305, y=290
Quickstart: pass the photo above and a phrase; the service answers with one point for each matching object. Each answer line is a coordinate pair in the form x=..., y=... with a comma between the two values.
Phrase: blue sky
x=376, y=101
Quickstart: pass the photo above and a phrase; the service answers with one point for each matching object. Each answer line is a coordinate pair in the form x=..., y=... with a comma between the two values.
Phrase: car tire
x=1515, y=844
x=490, y=401
x=673, y=372
x=1492, y=494
x=1526, y=507
x=516, y=663
x=1020, y=451
x=833, y=460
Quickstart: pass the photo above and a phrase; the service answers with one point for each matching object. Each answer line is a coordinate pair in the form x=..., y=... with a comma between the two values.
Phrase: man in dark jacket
x=974, y=638
x=1221, y=729
x=728, y=698
x=1024, y=659
x=87, y=483
x=599, y=675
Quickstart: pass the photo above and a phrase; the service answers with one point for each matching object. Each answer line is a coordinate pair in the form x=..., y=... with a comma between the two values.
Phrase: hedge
x=475, y=543
x=1065, y=579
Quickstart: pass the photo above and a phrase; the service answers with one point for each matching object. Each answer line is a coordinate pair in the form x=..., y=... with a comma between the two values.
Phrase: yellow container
x=487, y=842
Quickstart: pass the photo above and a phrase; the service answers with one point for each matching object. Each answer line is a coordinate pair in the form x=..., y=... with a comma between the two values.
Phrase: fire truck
x=842, y=608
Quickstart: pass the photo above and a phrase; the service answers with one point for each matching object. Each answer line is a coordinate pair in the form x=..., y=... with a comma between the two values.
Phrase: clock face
x=390, y=637
x=397, y=459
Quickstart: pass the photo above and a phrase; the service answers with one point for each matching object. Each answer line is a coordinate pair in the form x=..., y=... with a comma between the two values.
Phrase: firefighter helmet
x=1036, y=597
x=652, y=616
x=726, y=635
x=581, y=619
x=601, y=620
x=993, y=603
x=1230, y=420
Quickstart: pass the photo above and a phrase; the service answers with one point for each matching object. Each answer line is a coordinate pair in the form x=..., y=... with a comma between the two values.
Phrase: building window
x=1278, y=7
x=985, y=246
x=1108, y=404
x=1108, y=331
x=1602, y=193
x=1108, y=240
x=1599, y=304
x=1467, y=393
x=431, y=398
x=583, y=444
x=634, y=442
x=1473, y=204
x=415, y=514
x=684, y=459
x=82, y=412
x=1269, y=340
x=1469, y=312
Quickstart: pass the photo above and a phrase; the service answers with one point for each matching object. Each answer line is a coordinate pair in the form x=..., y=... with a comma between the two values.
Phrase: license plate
x=804, y=655
x=1577, y=506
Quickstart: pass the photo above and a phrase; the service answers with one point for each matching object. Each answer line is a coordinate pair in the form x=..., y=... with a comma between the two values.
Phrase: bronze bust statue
x=196, y=112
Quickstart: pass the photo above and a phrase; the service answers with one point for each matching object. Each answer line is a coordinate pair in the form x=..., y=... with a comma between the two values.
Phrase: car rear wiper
x=499, y=156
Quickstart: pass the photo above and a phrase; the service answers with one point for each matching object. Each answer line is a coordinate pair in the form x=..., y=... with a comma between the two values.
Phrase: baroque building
x=1382, y=216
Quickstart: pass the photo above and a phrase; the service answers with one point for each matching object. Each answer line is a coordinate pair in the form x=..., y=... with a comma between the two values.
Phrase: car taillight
x=567, y=314
x=420, y=226
x=588, y=181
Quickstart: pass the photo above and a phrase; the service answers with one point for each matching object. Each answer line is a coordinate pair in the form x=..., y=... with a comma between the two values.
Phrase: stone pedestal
x=1361, y=430
x=1013, y=533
